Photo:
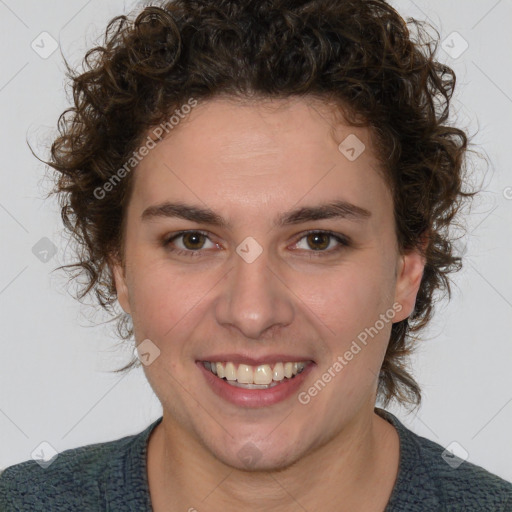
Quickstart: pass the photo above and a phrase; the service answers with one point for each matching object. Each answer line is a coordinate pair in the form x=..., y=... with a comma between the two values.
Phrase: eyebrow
x=336, y=209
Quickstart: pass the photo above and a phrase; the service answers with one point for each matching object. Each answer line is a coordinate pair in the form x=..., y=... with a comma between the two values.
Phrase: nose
x=254, y=298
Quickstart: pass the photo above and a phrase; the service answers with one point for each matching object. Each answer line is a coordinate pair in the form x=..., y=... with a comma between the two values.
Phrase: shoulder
x=462, y=483
x=429, y=473
x=75, y=479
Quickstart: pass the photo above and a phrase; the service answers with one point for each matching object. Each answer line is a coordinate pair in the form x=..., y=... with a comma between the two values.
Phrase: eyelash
x=343, y=241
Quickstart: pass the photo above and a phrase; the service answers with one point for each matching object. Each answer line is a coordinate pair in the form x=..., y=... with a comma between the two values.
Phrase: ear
x=118, y=271
x=409, y=274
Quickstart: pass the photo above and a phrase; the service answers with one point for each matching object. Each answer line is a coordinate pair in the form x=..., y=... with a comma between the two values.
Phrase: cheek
x=169, y=302
x=349, y=297
x=351, y=305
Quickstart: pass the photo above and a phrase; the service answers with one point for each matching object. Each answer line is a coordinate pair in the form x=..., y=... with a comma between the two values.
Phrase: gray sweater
x=112, y=477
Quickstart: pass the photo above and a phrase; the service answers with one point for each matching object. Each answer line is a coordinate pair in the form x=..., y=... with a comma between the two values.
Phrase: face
x=250, y=284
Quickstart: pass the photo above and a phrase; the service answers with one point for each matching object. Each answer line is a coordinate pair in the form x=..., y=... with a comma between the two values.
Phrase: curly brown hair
x=358, y=54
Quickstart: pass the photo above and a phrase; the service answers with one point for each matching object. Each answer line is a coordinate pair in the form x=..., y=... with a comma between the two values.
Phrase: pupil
x=195, y=236
x=315, y=236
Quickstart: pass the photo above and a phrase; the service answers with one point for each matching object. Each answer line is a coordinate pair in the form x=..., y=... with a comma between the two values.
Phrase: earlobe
x=409, y=276
x=119, y=276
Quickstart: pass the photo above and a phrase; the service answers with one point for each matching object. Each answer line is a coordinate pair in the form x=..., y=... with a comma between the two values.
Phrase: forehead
x=254, y=153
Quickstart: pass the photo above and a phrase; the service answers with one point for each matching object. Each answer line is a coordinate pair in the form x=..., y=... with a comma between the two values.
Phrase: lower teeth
x=251, y=386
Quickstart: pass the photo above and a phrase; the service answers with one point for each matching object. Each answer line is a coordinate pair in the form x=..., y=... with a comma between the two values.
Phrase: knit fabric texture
x=112, y=476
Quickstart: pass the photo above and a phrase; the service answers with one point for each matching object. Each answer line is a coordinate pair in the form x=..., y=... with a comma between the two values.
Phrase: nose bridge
x=253, y=299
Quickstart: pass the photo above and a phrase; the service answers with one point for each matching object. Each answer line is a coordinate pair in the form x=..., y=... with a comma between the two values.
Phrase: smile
x=262, y=376
x=249, y=382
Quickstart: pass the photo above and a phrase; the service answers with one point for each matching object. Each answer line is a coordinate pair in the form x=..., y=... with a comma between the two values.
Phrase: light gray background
x=54, y=380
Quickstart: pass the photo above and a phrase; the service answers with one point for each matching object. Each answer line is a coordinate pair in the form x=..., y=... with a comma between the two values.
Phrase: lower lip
x=255, y=397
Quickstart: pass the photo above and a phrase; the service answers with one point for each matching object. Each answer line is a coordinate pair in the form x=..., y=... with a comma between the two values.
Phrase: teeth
x=244, y=375
x=262, y=374
x=230, y=371
x=278, y=373
x=252, y=386
x=255, y=377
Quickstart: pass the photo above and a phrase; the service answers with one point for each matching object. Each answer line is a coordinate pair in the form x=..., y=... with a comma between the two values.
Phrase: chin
x=256, y=457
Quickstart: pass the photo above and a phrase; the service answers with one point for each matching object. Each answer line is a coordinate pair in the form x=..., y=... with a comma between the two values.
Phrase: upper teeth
x=262, y=374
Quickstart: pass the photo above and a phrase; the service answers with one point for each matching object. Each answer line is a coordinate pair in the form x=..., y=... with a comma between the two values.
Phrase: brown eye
x=188, y=243
x=193, y=240
x=322, y=243
x=318, y=241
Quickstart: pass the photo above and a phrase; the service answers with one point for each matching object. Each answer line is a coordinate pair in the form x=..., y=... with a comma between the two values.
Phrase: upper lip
x=256, y=361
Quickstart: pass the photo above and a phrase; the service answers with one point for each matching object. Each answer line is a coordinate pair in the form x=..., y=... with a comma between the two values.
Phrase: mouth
x=257, y=385
x=263, y=376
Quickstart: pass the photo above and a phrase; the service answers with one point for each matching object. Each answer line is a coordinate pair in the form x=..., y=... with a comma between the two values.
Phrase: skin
x=250, y=162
